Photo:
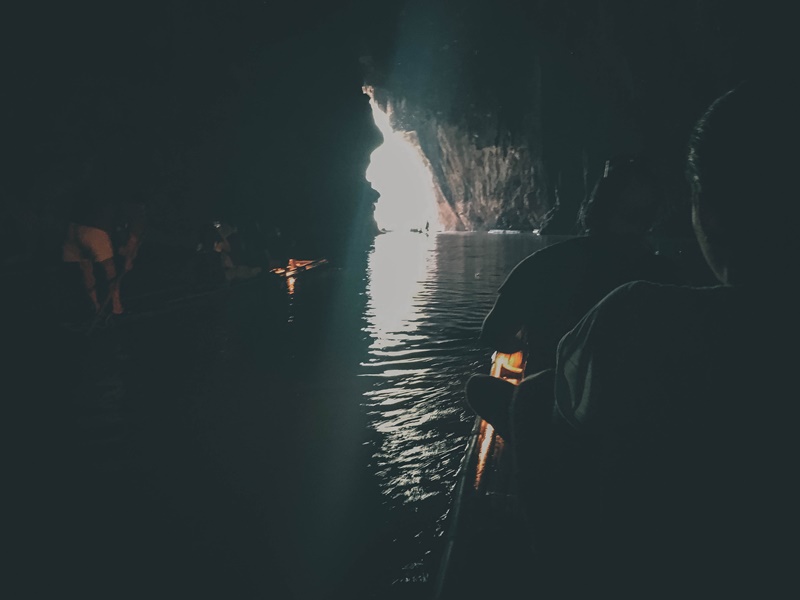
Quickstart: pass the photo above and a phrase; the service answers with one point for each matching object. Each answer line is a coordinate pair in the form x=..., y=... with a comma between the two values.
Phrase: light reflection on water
x=426, y=299
x=398, y=267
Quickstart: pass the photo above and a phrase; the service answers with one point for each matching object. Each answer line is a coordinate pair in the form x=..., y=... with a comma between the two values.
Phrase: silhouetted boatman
x=660, y=455
x=546, y=294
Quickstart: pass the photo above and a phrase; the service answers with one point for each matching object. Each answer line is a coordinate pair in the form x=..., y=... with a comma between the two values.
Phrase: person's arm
x=502, y=327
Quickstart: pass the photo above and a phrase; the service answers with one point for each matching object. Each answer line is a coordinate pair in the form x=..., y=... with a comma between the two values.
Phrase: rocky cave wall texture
x=516, y=107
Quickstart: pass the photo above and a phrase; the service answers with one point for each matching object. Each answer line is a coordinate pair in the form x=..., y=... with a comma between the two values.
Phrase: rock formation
x=517, y=105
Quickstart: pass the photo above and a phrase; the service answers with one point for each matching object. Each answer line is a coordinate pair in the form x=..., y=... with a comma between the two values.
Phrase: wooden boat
x=486, y=532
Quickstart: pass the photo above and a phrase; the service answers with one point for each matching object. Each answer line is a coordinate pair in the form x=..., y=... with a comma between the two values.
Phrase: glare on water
x=400, y=174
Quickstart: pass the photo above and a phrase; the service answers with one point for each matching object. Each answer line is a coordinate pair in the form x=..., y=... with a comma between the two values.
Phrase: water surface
x=427, y=298
x=267, y=442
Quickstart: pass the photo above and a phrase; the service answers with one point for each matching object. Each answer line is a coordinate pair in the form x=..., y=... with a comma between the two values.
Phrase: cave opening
x=400, y=174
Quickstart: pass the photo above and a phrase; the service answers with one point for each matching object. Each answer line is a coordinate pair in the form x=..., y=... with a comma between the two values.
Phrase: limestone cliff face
x=484, y=187
x=481, y=187
x=517, y=106
x=484, y=177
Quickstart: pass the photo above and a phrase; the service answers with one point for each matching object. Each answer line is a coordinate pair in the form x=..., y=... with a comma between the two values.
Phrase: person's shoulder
x=627, y=302
x=647, y=293
x=643, y=308
x=543, y=264
x=610, y=340
x=555, y=252
x=620, y=301
x=574, y=244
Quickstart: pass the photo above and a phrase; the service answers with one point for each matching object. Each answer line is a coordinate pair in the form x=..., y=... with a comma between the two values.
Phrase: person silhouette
x=548, y=292
x=656, y=456
x=98, y=222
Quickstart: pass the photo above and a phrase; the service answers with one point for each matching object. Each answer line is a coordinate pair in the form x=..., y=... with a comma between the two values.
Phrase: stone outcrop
x=517, y=106
x=478, y=185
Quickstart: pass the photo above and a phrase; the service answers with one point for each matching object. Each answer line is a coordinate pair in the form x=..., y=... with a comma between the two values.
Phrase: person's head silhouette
x=741, y=168
x=625, y=199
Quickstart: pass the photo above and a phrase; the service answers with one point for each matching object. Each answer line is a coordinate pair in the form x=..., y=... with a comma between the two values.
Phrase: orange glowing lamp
x=508, y=366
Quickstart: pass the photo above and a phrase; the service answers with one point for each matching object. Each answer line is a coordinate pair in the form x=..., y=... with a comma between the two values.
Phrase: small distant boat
x=294, y=266
x=504, y=231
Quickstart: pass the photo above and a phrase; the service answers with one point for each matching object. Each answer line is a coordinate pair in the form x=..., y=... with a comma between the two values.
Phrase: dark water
x=261, y=443
x=423, y=315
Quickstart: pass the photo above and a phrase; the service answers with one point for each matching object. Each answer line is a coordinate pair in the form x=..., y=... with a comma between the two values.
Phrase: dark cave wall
x=242, y=111
x=442, y=81
x=518, y=106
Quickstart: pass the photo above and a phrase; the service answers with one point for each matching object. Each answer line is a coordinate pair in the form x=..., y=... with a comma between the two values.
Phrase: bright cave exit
x=397, y=171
